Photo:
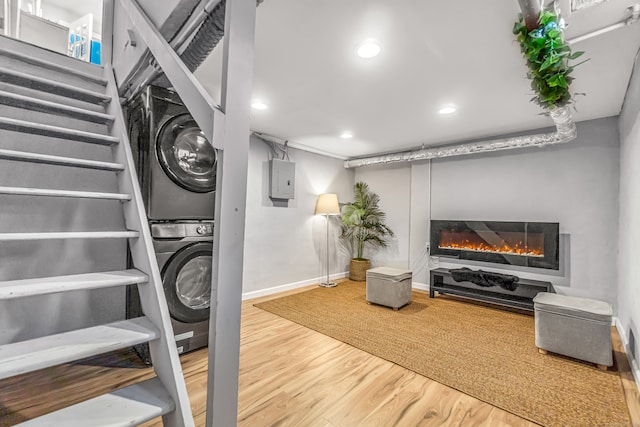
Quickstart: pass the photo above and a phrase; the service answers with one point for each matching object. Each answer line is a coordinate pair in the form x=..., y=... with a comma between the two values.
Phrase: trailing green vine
x=548, y=58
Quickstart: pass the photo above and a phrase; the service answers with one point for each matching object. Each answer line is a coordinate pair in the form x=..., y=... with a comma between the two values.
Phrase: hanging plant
x=548, y=58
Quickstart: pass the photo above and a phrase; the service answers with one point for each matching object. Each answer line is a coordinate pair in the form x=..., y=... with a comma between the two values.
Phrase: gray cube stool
x=574, y=327
x=390, y=287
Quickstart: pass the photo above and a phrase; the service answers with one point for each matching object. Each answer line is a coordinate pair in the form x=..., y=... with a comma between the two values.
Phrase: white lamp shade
x=327, y=204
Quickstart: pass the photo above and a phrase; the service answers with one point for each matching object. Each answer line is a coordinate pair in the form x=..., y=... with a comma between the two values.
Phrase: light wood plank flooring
x=289, y=376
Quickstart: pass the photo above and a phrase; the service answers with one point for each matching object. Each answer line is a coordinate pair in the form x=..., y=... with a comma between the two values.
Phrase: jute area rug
x=482, y=351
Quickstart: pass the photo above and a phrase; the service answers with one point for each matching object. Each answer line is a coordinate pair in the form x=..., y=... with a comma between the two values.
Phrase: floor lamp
x=327, y=204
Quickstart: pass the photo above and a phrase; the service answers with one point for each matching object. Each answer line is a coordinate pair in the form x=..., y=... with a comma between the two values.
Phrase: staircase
x=70, y=208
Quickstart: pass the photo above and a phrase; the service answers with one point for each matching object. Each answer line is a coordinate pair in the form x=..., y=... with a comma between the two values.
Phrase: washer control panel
x=180, y=230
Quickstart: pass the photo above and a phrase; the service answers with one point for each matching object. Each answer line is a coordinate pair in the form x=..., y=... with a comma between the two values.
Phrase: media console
x=442, y=281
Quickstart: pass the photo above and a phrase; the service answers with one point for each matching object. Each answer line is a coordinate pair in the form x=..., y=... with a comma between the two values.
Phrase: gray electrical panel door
x=282, y=182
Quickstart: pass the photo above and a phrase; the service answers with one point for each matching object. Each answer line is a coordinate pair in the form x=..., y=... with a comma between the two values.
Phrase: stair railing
x=228, y=130
x=163, y=350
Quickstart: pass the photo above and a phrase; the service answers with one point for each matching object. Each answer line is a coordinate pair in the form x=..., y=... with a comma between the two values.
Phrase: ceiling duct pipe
x=565, y=132
x=634, y=16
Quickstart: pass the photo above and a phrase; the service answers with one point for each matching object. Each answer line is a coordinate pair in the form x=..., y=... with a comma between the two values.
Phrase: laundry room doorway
x=69, y=27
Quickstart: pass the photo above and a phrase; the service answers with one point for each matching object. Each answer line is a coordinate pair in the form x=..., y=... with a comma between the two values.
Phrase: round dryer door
x=186, y=156
x=186, y=278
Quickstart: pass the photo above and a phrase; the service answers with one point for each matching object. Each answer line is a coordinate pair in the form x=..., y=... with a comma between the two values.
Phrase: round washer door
x=186, y=279
x=186, y=156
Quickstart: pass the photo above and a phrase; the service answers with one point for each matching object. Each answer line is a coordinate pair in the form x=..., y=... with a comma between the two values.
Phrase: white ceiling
x=433, y=53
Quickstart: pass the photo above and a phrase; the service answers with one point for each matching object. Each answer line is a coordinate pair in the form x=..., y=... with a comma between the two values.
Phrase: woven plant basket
x=358, y=269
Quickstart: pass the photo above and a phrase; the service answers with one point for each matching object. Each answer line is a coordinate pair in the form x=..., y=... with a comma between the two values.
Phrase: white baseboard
x=289, y=286
x=420, y=286
x=635, y=370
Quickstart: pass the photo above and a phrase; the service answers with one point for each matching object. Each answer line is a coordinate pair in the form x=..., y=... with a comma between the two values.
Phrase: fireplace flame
x=518, y=249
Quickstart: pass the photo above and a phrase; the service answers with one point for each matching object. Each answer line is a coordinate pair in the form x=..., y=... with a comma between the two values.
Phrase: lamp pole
x=327, y=204
x=327, y=283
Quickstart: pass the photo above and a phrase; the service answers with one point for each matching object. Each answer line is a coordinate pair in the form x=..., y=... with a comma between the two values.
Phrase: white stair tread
x=57, y=88
x=10, y=289
x=26, y=156
x=56, y=132
x=31, y=355
x=22, y=191
x=126, y=407
x=69, y=235
x=52, y=66
x=22, y=101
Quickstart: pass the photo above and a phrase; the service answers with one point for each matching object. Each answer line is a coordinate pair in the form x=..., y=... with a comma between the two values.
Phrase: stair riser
x=32, y=157
x=34, y=175
x=50, y=87
x=18, y=101
x=53, y=74
x=47, y=96
x=54, y=146
x=61, y=257
x=29, y=214
x=52, y=119
x=49, y=131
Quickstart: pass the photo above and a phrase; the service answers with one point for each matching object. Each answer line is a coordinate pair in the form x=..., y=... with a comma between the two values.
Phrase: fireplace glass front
x=530, y=244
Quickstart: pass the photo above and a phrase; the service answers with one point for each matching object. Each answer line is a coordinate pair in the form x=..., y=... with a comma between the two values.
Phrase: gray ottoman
x=574, y=327
x=390, y=287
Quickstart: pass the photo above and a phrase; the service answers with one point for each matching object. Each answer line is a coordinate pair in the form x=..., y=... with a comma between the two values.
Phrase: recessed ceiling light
x=259, y=105
x=368, y=50
x=346, y=135
x=447, y=110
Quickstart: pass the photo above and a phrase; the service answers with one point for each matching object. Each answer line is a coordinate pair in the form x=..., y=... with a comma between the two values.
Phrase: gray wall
x=393, y=185
x=404, y=196
x=27, y=318
x=44, y=33
x=629, y=237
x=575, y=184
x=285, y=243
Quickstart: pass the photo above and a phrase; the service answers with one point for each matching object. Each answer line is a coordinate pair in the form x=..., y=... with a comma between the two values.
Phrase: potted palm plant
x=363, y=223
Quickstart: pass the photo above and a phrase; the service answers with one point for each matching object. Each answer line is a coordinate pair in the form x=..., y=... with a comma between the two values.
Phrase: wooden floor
x=289, y=376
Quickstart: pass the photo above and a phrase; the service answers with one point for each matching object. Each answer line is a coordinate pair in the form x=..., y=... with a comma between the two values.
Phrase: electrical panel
x=283, y=177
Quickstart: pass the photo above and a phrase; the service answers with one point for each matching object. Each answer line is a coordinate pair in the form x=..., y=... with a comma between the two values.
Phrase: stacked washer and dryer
x=176, y=168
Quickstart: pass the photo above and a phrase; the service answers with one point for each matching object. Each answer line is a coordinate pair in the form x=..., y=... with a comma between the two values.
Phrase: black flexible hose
x=206, y=39
x=208, y=36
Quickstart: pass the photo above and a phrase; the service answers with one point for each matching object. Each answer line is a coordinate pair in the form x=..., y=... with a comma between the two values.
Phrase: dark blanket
x=485, y=278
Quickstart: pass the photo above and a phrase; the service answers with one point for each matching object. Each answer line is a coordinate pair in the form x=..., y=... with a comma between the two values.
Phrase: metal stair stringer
x=163, y=350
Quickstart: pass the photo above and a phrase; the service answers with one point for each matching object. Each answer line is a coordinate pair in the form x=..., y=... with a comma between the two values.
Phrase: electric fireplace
x=530, y=244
